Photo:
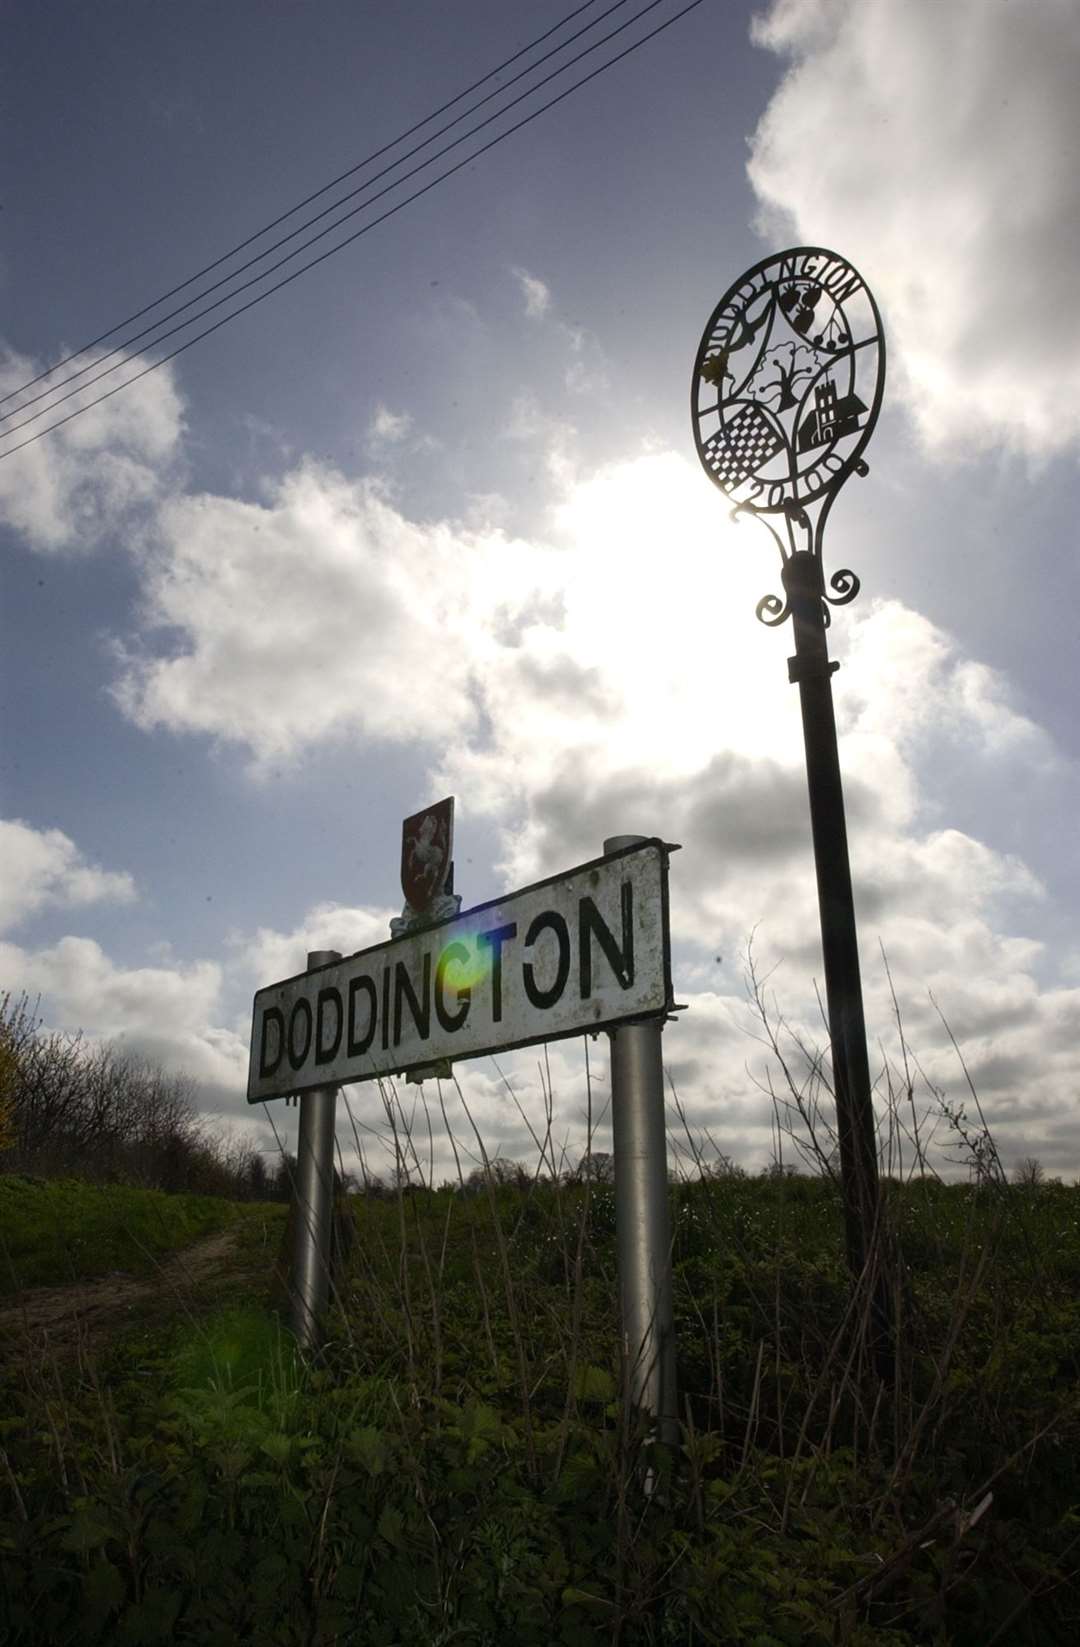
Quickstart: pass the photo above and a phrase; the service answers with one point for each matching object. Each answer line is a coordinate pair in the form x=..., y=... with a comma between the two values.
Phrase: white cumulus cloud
x=320, y=613
x=268, y=956
x=935, y=145
x=44, y=867
x=171, y=1015
x=67, y=491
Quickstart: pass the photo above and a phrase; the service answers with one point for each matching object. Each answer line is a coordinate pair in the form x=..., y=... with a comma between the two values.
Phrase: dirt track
x=64, y=1317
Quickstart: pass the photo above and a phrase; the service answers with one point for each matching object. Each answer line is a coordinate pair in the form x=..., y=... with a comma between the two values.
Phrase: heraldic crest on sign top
x=427, y=849
x=788, y=382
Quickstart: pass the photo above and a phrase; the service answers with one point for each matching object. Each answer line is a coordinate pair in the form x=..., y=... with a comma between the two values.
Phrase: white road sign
x=582, y=951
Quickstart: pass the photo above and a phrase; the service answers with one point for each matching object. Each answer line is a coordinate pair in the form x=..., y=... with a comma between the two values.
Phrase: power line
x=123, y=348
x=200, y=314
x=246, y=285
x=364, y=229
x=376, y=154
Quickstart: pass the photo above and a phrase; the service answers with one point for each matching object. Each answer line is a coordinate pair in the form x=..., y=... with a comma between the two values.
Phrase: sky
x=430, y=521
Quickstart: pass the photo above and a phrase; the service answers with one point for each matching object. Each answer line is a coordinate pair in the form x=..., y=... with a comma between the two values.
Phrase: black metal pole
x=811, y=669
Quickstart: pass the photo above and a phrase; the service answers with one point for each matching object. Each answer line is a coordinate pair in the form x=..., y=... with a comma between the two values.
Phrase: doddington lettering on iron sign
x=582, y=951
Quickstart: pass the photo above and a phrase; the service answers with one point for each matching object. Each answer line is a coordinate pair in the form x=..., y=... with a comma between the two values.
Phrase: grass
x=457, y=1465
x=53, y=1232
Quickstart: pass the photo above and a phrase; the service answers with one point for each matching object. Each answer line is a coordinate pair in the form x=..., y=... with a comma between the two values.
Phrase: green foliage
x=74, y=1108
x=456, y=1467
x=59, y=1230
x=238, y=1375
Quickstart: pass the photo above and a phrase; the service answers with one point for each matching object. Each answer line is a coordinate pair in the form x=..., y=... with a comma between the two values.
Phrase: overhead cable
x=242, y=245
x=263, y=274
x=357, y=233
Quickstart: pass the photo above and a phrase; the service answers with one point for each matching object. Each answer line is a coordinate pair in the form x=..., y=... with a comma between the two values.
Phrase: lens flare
x=468, y=973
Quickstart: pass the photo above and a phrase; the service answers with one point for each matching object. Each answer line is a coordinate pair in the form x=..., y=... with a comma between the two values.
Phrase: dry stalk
x=961, y=1309
x=752, y=1414
x=479, y=1273
x=508, y=1284
x=404, y=1284
x=374, y=1291
x=433, y=1292
x=832, y=1351
x=577, y=1293
x=13, y=1483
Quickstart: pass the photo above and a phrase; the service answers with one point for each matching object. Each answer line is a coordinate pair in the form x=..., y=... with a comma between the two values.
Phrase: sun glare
x=660, y=600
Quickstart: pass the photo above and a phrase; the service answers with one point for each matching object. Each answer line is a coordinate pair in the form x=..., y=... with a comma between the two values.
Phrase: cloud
x=607, y=678
x=587, y=372
x=644, y=681
x=641, y=701
x=586, y=369
x=194, y=1019
x=1017, y=1044
x=191, y=1018
x=387, y=428
x=934, y=145
x=552, y=436
x=537, y=295
x=168, y=1014
x=44, y=867
x=268, y=956
x=1020, y=1043
x=539, y=672
x=323, y=612
x=171, y=1014
x=96, y=474
x=899, y=669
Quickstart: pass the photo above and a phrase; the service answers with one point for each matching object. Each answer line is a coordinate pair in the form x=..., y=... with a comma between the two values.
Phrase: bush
x=72, y=1108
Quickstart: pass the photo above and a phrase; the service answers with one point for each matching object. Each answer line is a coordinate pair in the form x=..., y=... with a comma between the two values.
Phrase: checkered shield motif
x=741, y=447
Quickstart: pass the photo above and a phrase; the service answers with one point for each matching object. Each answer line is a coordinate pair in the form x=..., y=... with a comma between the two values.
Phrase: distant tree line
x=71, y=1107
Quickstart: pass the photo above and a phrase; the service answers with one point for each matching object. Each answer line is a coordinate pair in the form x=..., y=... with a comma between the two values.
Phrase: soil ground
x=78, y=1315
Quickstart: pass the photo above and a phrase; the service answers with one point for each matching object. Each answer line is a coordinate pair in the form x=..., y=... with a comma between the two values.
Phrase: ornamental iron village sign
x=788, y=383
x=580, y=952
x=786, y=389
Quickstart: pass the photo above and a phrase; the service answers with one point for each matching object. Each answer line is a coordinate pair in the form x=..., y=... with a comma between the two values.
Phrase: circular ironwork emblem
x=788, y=381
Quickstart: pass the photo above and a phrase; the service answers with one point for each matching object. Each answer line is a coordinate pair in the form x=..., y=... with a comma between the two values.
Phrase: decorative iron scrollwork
x=741, y=509
x=847, y=586
x=771, y=610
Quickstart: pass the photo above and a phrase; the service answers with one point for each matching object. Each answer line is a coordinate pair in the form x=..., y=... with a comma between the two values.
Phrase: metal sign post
x=580, y=952
x=313, y=1204
x=811, y=670
x=787, y=386
x=642, y=1219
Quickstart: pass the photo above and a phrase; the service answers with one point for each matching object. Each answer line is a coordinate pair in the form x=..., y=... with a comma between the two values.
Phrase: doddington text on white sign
x=582, y=951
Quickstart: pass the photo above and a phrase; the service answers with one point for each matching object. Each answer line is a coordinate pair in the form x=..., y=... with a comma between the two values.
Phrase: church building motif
x=831, y=418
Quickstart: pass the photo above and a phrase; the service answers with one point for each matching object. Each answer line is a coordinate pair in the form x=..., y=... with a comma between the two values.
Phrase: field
x=457, y=1465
